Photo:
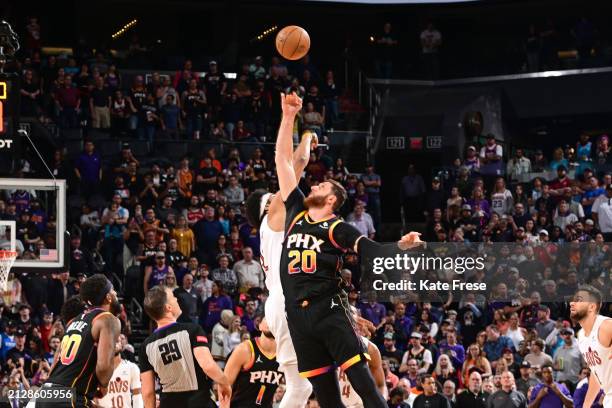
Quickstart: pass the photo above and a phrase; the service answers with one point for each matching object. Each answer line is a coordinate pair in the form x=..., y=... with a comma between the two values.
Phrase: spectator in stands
x=473, y=396
x=539, y=162
x=194, y=103
x=170, y=117
x=549, y=393
x=213, y=306
x=518, y=165
x=58, y=291
x=502, y=201
x=431, y=40
x=362, y=220
x=88, y=169
x=373, y=183
x=386, y=44
x=188, y=300
x=248, y=272
x=430, y=398
x=491, y=160
x=417, y=352
x=225, y=275
x=537, y=357
x=495, y=344
x=68, y=101
x=567, y=361
x=558, y=160
x=99, y=105
x=215, y=85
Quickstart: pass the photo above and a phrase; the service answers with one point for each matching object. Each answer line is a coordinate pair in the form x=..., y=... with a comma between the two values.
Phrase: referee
x=508, y=396
x=178, y=354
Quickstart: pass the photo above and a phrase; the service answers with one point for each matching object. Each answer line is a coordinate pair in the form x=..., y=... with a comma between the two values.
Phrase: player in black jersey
x=178, y=354
x=85, y=356
x=317, y=307
x=252, y=369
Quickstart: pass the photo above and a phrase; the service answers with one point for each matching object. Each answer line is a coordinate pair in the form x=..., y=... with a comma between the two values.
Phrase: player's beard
x=115, y=307
x=314, y=201
x=268, y=334
x=578, y=315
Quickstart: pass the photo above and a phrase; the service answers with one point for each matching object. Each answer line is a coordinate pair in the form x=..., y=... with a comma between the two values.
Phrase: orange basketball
x=292, y=42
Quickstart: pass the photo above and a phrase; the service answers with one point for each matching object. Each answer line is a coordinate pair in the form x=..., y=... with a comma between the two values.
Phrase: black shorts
x=324, y=335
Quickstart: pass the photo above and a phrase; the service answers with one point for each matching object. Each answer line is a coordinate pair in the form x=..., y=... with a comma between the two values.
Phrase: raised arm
x=291, y=105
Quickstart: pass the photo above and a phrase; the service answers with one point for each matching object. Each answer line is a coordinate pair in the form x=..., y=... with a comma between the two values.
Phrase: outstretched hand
x=410, y=240
x=291, y=104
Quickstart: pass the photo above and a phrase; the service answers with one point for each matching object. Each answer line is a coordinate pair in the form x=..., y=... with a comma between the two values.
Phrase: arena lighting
x=124, y=29
x=265, y=33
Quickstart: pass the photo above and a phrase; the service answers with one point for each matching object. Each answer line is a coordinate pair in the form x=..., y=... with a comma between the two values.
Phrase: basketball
x=292, y=42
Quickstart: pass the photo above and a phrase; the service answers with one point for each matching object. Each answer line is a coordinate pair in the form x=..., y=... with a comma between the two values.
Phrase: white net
x=7, y=258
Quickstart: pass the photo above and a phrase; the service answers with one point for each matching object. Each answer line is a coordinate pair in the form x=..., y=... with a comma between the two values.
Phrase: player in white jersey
x=124, y=389
x=266, y=212
x=349, y=396
x=595, y=342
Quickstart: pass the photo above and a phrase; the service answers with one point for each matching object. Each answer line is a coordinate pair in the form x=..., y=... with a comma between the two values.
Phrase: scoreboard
x=9, y=119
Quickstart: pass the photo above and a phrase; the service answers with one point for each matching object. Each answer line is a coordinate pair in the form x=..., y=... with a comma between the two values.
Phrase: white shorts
x=277, y=322
x=607, y=402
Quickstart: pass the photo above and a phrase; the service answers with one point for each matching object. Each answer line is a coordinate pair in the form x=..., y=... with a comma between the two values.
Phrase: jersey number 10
x=170, y=352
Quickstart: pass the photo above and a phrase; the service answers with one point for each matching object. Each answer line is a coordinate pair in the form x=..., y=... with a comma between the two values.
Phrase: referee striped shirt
x=169, y=353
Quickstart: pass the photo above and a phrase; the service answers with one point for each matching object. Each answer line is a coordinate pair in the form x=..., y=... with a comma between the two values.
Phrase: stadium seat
x=140, y=148
x=108, y=147
x=73, y=147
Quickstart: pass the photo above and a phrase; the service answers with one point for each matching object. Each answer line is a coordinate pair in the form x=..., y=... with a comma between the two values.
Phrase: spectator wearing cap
x=567, y=360
x=19, y=352
x=215, y=85
x=472, y=161
x=548, y=393
x=203, y=285
x=417, y=352
x=526, y=379
x=561, y=185
x=602, y=213
x=391, y=353
x=473, y=396
x=518, y=166
x=495, y=344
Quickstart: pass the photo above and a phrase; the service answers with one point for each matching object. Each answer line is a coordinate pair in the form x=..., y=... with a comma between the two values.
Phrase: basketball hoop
x=6, y=262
